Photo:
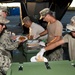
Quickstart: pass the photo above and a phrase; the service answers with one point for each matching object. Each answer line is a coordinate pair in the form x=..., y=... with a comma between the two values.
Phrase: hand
x=13, y=37
x=13, y=34
x=40, y=53
x=36, y=36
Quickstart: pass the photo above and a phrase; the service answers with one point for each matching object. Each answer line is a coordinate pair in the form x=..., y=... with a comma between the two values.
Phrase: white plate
x=17, y=39
x=33, y=59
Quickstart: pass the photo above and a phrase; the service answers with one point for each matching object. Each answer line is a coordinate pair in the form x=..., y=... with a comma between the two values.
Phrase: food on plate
x=40, y=59
x=22, y=38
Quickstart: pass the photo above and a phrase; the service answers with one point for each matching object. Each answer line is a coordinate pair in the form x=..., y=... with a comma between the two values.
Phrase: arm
x=7, y=42
x=54, y=45
x=43, y=33
x=9, y=45
x=39, y=35
x=57, y=38
x=49, y=47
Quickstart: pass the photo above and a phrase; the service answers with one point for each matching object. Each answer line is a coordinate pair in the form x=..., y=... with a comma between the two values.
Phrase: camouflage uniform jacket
x=7, y=42
x=5, y=61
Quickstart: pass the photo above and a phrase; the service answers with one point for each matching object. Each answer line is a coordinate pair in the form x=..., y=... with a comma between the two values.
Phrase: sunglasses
x=2, y=24
x=73, y=31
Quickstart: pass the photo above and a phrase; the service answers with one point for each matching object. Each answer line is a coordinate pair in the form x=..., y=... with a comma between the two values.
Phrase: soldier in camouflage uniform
x=7, y=44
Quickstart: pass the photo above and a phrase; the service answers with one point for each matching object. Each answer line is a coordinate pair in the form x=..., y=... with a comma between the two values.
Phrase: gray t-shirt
x=54, y=29
x=71, y=44
x=37, y=29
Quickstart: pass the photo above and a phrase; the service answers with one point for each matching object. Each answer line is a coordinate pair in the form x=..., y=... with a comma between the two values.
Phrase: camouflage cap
x=73, y=19
x=44, y=12
x=71, y=26
x=4, y=20
x=4, y=9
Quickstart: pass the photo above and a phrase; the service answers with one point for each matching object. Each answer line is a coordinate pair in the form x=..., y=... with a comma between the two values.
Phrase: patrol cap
x=25, y=19
x=71, y=26
x=3, y=8
x=44, y=12
x=4, y=20
x=73, y=19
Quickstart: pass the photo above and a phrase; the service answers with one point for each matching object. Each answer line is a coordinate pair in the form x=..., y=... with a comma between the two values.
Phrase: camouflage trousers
x=5, y=63
x=56, y=55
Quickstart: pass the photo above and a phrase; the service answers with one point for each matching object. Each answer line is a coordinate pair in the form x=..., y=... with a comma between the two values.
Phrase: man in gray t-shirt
x=34, y=28
x=68, y=38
